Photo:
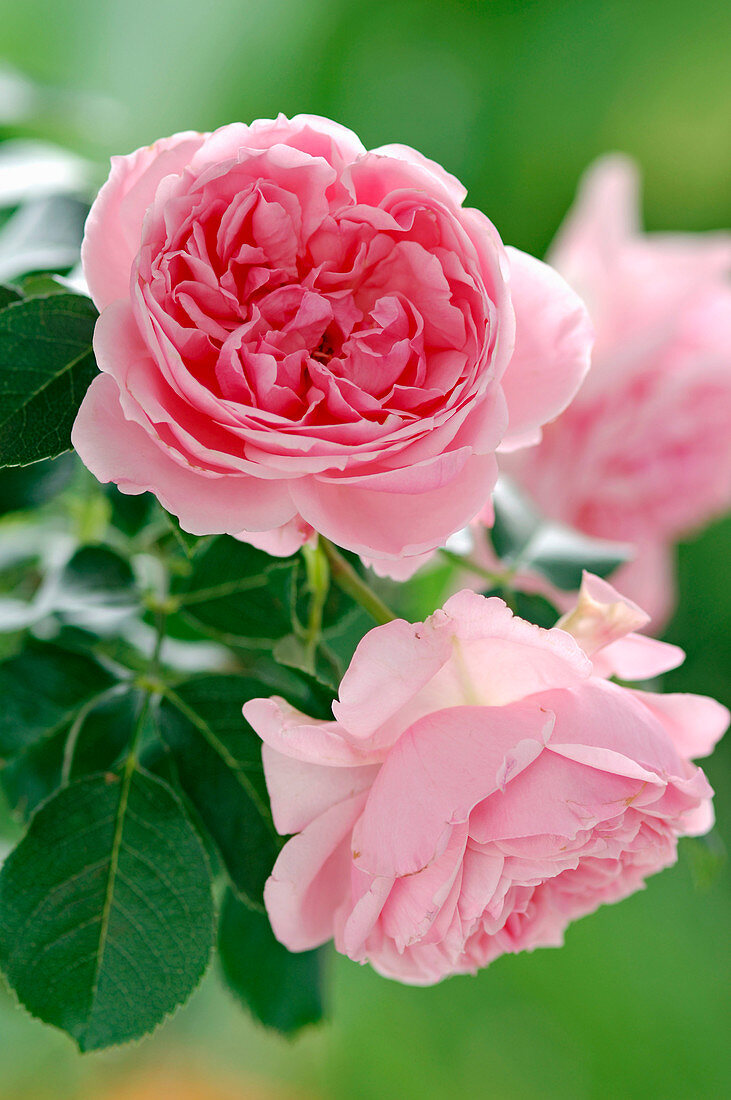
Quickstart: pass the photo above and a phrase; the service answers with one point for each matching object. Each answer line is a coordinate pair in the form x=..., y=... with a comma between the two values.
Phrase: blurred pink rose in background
x=643, y=454
x=481, y=785
x=298, y=334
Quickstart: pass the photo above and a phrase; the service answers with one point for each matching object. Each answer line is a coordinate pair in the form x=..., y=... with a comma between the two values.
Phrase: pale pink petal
x=294, y=734
x=456, y=191
x=694, y=723
x=311, y=878
x=637, y=657
x=282, y=541
x=119, y=450
x=605, y=716
x=553, y=341
x=113, y=231
x=397, y=524
x=649, y=579
x=390, y=665
x=601, y=615
x=299, y=791
x=435, y=775
x=603, y=218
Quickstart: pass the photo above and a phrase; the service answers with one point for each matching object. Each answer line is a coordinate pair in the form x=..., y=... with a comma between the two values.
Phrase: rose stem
x=346, y=578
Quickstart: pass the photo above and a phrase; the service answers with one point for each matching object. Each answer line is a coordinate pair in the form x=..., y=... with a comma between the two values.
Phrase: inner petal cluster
x=292, y=299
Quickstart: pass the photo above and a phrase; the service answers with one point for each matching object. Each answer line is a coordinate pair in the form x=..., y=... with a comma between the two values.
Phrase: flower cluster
x=299, y=338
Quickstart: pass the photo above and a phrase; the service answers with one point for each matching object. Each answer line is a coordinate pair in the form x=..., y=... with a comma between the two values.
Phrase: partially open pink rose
x=643, y=454
x=296, y=333
x=481, y=785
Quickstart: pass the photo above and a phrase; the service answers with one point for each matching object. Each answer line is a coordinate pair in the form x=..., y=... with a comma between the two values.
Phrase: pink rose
x=481, y=785
x=296, y=333
x=651, y=425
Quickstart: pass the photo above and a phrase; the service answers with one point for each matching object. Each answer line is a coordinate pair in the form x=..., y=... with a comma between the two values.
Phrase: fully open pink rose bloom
x=643, y=454
x=481, y=785
x=299, y=334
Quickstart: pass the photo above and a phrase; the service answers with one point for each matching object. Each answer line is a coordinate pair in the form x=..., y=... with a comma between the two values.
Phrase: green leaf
x=43, y=690
x=239, y=593
x=218, y=761
x=283, y=990
x=99, y=739
x=106, y=911
x=8, y=294
x=530, y=606
x=293, y=652
x=23, y=487
x=517, y=521
x=130, y=511
x=47, y=365
x=97, y=576
x=33, y=286
x=561, y=555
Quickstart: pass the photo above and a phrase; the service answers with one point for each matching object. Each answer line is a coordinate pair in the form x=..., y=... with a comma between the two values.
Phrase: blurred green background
x=515, y=99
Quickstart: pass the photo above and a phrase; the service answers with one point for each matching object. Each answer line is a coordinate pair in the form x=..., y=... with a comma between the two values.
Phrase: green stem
x=318, y=582
x=497, y=580
x=346, y=578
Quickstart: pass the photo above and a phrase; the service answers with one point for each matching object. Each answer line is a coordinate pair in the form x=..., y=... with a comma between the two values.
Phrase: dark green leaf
x=106, y=911
x=535, y=609
x=47, y=365
x=294, y=653
x=43, y=690
x=97, y=576
x=23, y=487
x=8, y=294
x=130, y=512
x=529, y=606
x=516, y=522
x=281, y=989
x=97, y=744
x=218, y=761
x=191, y=545
x=239, y=593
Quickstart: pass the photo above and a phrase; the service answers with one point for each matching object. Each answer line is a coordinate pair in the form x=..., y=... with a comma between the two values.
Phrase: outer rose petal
x=398, y=524
x=694, y=723
x=603, y=217
x=282, y=541
x=390, y=665
x=309, y=739
x=114, y=226
x=116, y=449
x=311, y=880
x=456, y=190
x=299, y=791
x=637, y=657
x=553, y=342
x=650, y=579
x=434, y=776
